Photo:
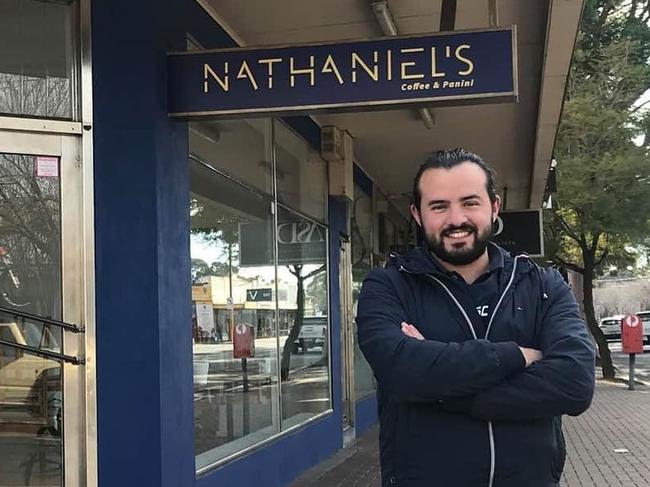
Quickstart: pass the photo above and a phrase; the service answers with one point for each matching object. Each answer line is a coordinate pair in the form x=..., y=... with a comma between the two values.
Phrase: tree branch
x=569, y=265
x=594, y=242
x=315, y=271
x=638, y=107
x=567, y=228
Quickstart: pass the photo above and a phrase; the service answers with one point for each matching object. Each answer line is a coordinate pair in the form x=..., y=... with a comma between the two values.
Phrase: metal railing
x=72, y=328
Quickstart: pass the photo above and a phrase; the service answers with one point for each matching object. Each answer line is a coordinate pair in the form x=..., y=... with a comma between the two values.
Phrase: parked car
x=30, y=385
x=313, y=333
x=611, y=327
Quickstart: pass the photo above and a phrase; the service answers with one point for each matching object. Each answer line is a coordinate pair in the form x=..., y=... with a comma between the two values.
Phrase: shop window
x=243, y=396
x=361, y=229
x=392, y=229
x=233, y=397
x=304, y=366
x=38, y=58
x=301, y=174
x=240, y=148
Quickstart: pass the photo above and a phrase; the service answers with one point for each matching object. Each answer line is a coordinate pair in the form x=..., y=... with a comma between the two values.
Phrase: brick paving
x=619, y=419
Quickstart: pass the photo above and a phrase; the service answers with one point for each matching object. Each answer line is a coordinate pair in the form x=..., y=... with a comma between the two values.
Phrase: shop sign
x=520, y=232
x=261, y=294
x=299, y=242
x=447, y=67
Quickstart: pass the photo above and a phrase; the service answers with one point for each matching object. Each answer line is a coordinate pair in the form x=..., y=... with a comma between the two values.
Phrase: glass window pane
x=31, y=400
x=38, y=46
x=400, y=239
x=361, y=225
x=301, y=173
x=232, y=251
x=303, y=303
x=241, y=148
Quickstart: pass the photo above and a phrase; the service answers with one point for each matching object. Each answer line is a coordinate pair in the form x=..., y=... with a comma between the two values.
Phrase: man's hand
x=531, y=355
x=411, y=331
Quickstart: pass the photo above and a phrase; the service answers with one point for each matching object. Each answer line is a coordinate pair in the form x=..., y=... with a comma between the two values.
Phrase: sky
x=645, y=98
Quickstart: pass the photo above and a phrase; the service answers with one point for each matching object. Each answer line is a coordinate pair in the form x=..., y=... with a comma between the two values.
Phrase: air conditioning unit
x=331, y=147
x=337, y=148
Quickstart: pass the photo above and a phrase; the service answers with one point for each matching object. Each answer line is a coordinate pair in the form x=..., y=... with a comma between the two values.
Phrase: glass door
x=42, y=409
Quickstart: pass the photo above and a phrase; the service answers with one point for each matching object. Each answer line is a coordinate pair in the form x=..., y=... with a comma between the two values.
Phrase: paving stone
x=617, y=419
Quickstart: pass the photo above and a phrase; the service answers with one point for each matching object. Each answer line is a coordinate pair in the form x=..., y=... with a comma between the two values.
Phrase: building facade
x=178, y=295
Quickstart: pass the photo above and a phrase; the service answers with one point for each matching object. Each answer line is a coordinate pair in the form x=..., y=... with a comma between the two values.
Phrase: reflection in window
x=392, y=231
x=233, y=290
x=244, y=394
x=301, y=174
x=361, y=225
x=30, y=280
x=38, y=46
x=30, y=229
x=242, y=148
x=302, y=261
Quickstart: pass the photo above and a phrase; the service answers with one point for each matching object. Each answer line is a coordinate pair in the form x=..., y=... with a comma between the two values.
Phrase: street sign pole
x=246, y=412
x=632, y=360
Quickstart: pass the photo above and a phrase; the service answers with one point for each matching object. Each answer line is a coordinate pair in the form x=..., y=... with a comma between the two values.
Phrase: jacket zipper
x=471, y=327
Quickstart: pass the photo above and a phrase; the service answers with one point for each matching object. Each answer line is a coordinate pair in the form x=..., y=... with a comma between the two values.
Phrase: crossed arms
x=486, y=380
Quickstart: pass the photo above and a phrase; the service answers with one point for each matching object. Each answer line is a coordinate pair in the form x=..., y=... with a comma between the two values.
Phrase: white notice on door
x=47, y=167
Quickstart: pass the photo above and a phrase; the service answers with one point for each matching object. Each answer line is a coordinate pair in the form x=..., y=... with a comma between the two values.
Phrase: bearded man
x=477, y=353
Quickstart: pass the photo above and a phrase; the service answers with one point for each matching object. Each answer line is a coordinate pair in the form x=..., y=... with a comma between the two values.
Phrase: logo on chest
x=483, y=310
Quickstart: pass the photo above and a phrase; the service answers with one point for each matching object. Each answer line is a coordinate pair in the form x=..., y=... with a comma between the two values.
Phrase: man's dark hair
x=447, y=159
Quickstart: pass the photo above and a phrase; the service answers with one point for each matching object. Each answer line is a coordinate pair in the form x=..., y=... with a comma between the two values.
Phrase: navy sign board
x=299, y=242
x=520, y=232
x=448, y=67
x=261, y=294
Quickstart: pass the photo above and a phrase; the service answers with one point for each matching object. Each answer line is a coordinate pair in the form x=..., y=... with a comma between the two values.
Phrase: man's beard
x=466, y=254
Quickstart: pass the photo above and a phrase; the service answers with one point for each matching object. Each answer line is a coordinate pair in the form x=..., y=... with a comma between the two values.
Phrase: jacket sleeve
x=561, y=383
x=414, y=370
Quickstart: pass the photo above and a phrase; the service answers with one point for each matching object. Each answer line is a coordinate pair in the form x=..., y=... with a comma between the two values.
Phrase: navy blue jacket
x=461, y=410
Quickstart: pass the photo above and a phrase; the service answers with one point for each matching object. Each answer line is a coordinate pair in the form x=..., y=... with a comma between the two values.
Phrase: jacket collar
x=418, y=261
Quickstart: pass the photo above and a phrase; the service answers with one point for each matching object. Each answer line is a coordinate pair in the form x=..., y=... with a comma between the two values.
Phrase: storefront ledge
x=263, y=444
x=24, y=124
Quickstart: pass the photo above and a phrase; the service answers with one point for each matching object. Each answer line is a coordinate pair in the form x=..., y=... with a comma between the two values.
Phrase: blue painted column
x=144, y=334
x=337, y=216
x=144, y=340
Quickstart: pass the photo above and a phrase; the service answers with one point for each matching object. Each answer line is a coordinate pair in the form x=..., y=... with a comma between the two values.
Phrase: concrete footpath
x=608, y=446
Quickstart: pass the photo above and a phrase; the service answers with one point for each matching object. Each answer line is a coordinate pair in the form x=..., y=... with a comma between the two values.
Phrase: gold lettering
x=309, y=71
x=207, y=71
x=245, y=72
x=404, y=65
x=470, y=64
x=389, y=64
x=447, y=51
x=270, y=62
x=330, y=67
x=434, y=68
x=373, y=73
